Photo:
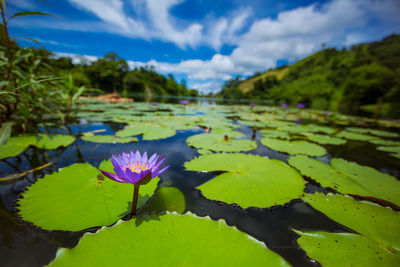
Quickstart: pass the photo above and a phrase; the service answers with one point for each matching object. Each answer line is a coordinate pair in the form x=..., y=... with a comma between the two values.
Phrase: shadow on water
x=22, y=244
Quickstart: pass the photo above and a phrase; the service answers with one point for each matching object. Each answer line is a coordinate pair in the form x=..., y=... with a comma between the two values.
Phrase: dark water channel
x=22, y=244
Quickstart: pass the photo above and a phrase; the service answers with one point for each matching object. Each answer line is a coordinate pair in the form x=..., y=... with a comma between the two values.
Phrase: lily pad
x=349, y=178
x=221, y=142
x=294, y=147
x=17, y=144
x=79, y=197
x=150, y=131
x=374, y=222
x=345, y=249
x=170, y=240
x=372, y=131
x=108, y=139
x=355, y=136
x=275, y=134
x=395, y=149
x=325, y=139
x=249, y=180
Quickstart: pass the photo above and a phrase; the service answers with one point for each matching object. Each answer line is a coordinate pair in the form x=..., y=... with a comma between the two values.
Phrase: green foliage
x=332, y=79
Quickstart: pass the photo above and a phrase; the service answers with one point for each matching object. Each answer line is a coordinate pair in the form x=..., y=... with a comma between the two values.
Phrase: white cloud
x=77, y=59
x=292, y=35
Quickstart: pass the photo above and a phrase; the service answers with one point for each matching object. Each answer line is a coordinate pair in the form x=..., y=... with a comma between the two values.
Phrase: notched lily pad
x=249, y=181
x=17, y=144
x=221, y=142
x=150, y=131
x=79, y=197
x=294, y=147
x=168, y=240
x=370, y=220
x=108, y=139
x=349, y=178
x=345, y=249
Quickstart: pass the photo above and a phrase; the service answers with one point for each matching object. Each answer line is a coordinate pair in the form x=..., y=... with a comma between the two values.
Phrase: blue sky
x=203, y=41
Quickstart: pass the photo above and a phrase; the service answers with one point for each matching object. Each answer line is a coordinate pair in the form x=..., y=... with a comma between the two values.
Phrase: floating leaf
x=16, y=145
x=78, y=197
x=395, y=149
x=374, y=222
x=325, y=139
x=221, y=142
x=170, y=240
x=249, y=181
x=345, y=249
x=349, y=178
x=166, y=199
x=355, y=136
x=275, y=134
x=108, y=139
x=48, y=141
x=294, y=147
x=150, y=131
x=372, y=131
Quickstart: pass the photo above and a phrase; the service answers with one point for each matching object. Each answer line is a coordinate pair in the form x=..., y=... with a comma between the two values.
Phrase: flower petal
x=155, y=174
x=150, y=161
x=132, y=176
x=121, y=174
x=112, y=176
x=155, y=168
x=144, y=158
x=137, y=156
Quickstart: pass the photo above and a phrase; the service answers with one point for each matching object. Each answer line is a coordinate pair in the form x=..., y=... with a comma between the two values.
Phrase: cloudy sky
x=203, y=41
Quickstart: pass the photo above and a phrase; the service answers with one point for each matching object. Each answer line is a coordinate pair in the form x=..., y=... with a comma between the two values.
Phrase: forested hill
x=111, y=73
x=365, y=75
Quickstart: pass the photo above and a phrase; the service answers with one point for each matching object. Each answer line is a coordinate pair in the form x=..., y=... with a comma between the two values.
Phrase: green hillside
x=365, y=76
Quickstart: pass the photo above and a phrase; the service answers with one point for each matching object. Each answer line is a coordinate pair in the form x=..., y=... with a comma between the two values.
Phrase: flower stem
x=135, y=198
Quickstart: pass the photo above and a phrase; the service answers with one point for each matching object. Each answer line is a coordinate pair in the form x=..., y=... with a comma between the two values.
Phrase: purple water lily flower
x=135, y=169
x=284, y=105
x=184, y=102
x=132, y=167
x=252, y=105
x=300, y=105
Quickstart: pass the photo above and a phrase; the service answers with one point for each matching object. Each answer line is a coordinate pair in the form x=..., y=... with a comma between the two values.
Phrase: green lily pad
x=325, y=139
x=345, y=249
x=372, y=131
x=249, y=181
x=79, y=197
x=349, y=178
x=221, y=142
x=385, y=142
x=355, y=136
x=395, y=149
x=275, y=134
x=170, y=240
x=48, y=141
x=294, y=147
x=108, y=139
x=166, y=199
x=396, y=155
x=150, y=131
x=374, y=222
x=17, y=144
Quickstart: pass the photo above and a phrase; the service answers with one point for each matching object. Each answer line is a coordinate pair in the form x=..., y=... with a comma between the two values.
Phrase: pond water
x=22, y=243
